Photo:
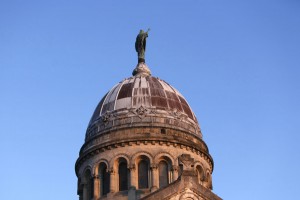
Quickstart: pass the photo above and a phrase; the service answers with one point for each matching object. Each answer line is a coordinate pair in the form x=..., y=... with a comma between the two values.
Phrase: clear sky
x=237, y=63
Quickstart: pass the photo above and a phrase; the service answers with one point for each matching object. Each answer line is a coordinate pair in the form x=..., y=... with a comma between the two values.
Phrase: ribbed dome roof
x=143, y=96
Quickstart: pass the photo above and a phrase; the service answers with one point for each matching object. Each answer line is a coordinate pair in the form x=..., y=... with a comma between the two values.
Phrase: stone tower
x=144, y=142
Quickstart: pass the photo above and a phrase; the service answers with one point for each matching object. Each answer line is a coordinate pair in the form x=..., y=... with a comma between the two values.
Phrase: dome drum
x=132, y=154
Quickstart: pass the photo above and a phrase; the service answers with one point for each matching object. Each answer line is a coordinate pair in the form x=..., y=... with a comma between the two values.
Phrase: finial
x=140, y=45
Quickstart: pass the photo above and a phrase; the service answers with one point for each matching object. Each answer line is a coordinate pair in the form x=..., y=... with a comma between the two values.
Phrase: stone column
x=133, y=176
x=96, y=187
x=154, y=177
x=112, y=186
x=175, y=169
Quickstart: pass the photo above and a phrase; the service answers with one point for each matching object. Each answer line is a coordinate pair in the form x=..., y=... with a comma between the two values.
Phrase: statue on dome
x=140, y=45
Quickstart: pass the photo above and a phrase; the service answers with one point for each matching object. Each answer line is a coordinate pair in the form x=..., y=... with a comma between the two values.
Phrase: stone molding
x=142, y=116
x=140, y=132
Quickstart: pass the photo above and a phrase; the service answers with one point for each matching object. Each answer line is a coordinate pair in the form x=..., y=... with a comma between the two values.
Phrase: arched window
x=123, y=176
x=88, y=188
x=163, y=173
x=143, y=169
x=200, y=174
x=104, y=179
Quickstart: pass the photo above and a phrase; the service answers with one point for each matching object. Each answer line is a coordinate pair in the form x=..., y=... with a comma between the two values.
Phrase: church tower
x=144, y=142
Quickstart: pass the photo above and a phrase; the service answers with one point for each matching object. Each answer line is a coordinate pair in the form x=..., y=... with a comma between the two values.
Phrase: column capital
x=132, y=167
x=153, y=166
x=111, y=171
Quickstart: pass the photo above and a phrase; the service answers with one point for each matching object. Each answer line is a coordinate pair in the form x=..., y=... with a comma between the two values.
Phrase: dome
x=142, y=100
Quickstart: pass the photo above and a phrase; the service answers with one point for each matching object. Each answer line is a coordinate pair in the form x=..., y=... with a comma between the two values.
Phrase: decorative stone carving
x=141, y=112
x=187, y=161
x=106, y=117
x=178, y=114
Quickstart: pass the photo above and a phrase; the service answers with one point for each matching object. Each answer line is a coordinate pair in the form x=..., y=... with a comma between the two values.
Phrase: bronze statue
x=140, y=45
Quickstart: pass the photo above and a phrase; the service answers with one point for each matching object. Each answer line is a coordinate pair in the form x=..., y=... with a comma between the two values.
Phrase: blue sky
x=236, y=62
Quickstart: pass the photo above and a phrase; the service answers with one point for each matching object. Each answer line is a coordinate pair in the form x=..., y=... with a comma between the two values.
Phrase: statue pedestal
x=141, y=69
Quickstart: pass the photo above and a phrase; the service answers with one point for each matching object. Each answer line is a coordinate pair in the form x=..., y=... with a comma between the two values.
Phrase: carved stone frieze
x=141, y=112
x=124, y=118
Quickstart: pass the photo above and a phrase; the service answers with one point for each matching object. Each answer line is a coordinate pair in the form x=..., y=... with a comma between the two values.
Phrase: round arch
x=97, y=164
x=114, y=161
x=135, y=156
x=164, y=156
x=88, y=167
x=200, y=172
